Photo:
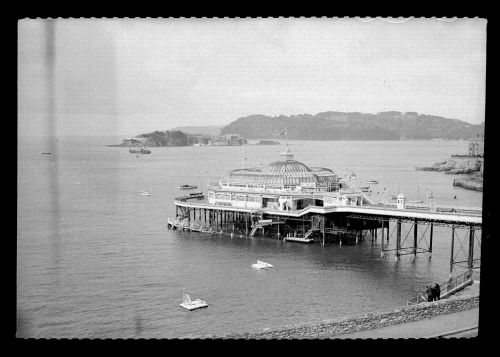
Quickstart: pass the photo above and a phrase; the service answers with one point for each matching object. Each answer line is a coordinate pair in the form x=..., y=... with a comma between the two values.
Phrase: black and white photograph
x=250, y=178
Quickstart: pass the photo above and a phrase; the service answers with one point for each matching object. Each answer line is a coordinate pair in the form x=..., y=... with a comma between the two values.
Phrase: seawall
x=332, y=327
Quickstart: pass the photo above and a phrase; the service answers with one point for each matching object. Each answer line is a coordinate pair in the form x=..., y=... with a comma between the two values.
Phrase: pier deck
x=464, y=216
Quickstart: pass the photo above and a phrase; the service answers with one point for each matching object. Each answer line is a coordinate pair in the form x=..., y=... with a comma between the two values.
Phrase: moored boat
x=192, y=304
x=262, y=265
x=298, y=239
x=142, y=150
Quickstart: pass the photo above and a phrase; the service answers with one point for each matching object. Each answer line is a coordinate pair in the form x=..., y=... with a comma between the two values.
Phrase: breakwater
x=332, y=327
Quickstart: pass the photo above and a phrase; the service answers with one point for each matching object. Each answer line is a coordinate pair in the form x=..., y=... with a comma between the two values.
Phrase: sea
x=96, y=260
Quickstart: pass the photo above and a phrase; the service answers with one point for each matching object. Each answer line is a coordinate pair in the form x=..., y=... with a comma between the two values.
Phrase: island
x=179, y=138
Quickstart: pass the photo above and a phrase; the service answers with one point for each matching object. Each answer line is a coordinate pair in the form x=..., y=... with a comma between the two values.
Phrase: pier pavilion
x=289, y=199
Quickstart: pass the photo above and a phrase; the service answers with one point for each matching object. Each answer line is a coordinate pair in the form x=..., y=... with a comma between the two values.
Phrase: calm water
x=95, y=259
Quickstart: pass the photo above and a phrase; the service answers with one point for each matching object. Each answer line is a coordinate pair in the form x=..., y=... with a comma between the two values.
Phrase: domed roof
x=287, y=172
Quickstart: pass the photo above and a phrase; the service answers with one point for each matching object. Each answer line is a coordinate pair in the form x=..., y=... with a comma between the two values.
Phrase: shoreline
x=333, y=328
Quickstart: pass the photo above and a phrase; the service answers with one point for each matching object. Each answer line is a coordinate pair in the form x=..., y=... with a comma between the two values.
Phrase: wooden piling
x=415, y=236
x=471, y=248
x=382, y=239
x=431, y=233
x=398, y=239
x=452, y=249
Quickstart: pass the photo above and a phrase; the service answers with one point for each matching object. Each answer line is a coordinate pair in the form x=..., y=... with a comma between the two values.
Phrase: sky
x=129, y=76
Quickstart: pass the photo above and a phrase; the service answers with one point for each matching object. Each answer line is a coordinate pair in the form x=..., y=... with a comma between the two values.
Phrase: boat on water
x=187, y=187
x=191, y=195
x=262, y=265
x=144, y=193
x=375, y=182
x=298, y=239
x=142, y=150
x=418, y=200
x=192, y=304
x=46, y=153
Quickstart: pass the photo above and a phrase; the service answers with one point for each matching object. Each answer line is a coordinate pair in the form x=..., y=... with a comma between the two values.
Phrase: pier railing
x=448, y=288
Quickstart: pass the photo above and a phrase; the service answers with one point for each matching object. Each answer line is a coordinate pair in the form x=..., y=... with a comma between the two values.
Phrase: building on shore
x=227, y=140
x=476, y=146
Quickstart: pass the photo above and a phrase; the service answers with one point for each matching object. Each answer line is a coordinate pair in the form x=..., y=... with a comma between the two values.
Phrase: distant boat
x=46, y=153
x=262, y=265
x=144, y=193
x=187, y=187
x=192, y=304
x=365, y=188
x=418, y=200
x=375, y=182
x=142, y=150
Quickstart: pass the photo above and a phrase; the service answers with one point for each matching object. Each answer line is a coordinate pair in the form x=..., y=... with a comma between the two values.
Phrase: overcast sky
x=126, y=77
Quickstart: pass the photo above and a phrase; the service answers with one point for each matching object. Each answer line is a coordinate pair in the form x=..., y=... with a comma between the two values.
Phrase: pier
x=411, y=228
x=288, y=199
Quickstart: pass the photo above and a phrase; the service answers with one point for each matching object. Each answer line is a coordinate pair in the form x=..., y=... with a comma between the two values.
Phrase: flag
x=284, y=132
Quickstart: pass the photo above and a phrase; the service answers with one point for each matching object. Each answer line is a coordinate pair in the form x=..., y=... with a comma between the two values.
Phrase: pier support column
x=452, y=250
x=471, y=249
x=415, y=236
x=398, y=240
x=246, y=224
x=431, y=234
x=323, y=226
x=382, y=240
x=388, y=231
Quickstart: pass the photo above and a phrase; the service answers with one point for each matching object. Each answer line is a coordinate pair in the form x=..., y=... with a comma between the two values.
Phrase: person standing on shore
x=429, y=293
x=437, y=291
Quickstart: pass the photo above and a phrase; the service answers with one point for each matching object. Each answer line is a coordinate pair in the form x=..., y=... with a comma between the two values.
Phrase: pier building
x=291, y=201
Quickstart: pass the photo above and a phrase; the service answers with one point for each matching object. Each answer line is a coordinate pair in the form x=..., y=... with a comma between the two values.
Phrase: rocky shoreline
x=471, y=167
x=471, y=183
x=454, y=166
x=331, y=328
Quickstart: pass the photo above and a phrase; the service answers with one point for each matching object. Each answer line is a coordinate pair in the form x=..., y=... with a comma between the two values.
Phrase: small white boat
x=298, y=239
x=262, y=265
x=144, y=193
x=192, y=304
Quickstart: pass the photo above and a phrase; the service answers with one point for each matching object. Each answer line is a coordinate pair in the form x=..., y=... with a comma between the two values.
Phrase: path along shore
x=415, y=321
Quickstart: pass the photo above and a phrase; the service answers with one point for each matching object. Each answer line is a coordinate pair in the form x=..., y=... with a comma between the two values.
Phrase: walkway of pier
x=466, y=216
